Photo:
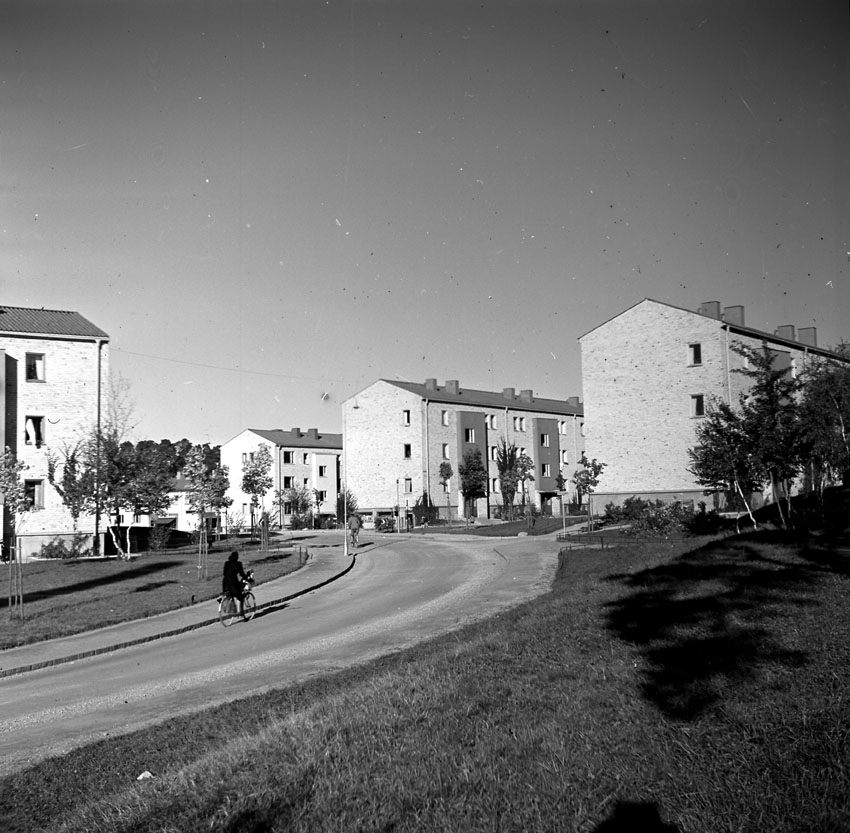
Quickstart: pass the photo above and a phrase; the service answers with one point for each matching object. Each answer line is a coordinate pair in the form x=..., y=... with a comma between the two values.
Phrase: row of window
x=519, y=422
x=289, y=458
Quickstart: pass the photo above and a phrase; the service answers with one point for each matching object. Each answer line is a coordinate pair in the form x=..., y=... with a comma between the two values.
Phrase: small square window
x=565, y=457
x=445, y=451
x=34, y=493
x=408, y=485
x=698, y=405
x=545, y=470
x=34, y=431
x=408, y=451
x=287, y=457
x=469, y=435
x=494, y=452
x=244, y=456
x=288, y=482
x=323, y=471
x=305, y=459
x=581, y=429
x=405, y=417
x=321, y=496
x=444, y=417
x=491, y=421
x=35, y=367
x=544, y=440
x=695, y=354
x=494, y=485
x=306, y=481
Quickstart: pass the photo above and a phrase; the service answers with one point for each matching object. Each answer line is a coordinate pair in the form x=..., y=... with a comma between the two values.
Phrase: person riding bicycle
x=234, y=578
x=354, y=525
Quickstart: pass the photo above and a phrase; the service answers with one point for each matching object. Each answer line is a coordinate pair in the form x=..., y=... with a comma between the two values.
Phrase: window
x=321, y=496
x=519, y=423
x=408, y=485
x=491, y=421
x=34, y=493
x=565, y=457
x=287, y=508
x=244, y=456
x=494, y=485
x=405, y=417
x=444, y=417
x=545, y=470
x=469, y=435
x=445, y=451
x=305, y=459
x=544, y=440
x=287, y=457
x=697, y=405
x=306, y=481
x=35, y=367
x=494, y=451
x=34, y=431
x=562, y=427
x=323, y=471
x=695, y=354
x=408, y=451
x=288, y=482
x=581, y=429
x=446, y=486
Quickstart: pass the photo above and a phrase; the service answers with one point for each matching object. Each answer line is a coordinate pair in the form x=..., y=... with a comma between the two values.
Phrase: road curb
x=118, y=646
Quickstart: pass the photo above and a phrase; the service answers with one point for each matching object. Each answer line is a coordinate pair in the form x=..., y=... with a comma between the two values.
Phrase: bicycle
x=228, y=609
x=355, y=535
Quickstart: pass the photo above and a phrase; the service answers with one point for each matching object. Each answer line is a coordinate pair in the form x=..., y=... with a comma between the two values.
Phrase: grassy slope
x=707, y=690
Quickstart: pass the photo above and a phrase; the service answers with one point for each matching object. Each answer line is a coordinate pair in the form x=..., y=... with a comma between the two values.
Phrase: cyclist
x=354, y=528
x=234, y=578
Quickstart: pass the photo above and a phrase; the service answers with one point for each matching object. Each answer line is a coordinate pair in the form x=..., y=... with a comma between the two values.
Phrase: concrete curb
x=35, y=666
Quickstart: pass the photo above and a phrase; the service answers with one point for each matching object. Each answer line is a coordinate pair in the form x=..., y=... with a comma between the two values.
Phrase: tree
x=771, y=420
x=586, y=479
x=446, y=474
x=298, y=498
x=147, y=488
x=70, y=478
x=257, y=478
x=473, y=477
x=524, y=469
x=721, y=459
x=346, y=504
x=506, y=463
x=207, y=491
x=16, y=503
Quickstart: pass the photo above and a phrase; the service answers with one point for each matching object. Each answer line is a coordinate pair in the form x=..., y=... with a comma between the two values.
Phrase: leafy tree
x=506, y=463
x=524, y=470
x=208, y=484
x=148, y=487
x=586, y=479
x=424, y=510
x=70, y=478
x=256, y=477
x=721, y=461
x=346, y=504
x=446, y=474
x=298, y=498
x=771, y=418
x=473, y=477
x=16, y=503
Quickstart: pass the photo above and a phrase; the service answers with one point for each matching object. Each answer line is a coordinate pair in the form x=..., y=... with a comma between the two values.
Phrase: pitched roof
x=47, y=322
x=489, y=399
x=296, y=438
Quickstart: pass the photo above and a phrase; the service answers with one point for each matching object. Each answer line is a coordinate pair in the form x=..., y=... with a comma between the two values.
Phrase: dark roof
x=489, y=399
x=47, y=322
x=296, y=438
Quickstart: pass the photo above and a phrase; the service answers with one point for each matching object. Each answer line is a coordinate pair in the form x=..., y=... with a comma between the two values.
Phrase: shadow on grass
x=713, y=618
x=631, y=816
x=121, y=576
x=153, y=585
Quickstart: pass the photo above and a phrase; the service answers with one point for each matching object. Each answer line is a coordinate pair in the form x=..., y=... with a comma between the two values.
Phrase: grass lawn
x=63, y=597
x=663, y=687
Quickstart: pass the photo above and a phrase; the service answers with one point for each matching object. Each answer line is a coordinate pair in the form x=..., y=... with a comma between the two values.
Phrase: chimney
x=296, y=432
x=734, y=315
x=710, y=308
x=526, y=396
x=431, y=384
x=508, y=393
x=808, y=336
x=452, y=386
x=313, y=433
x=573, y=401
x=786, y=331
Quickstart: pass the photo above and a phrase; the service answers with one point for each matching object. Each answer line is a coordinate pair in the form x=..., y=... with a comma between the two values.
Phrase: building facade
x=54, y=366
x=310, y=460
x=650, y=374
x=397, y=435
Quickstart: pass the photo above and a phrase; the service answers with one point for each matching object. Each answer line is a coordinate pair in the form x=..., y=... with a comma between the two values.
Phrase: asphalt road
x=396, y=595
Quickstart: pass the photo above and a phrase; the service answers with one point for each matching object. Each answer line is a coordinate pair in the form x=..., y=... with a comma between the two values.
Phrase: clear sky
x=268, y=205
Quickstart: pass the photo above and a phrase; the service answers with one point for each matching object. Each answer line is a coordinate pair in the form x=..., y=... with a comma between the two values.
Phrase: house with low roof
x=54, y=370
x=300, y=459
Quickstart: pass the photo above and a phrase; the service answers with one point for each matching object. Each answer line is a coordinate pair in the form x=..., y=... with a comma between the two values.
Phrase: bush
x=301, y=521
x=159, y=536
x=60, y=547
x=385, y=524
x=646, y=517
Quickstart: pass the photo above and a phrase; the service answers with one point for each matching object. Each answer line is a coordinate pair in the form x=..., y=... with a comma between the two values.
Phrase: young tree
x=506, y=463
x=346, y=504
x=586, y=479
x=298, y=498
x=16, y=503
x=722, y=459
x=446, y=474
x=771, y=419
x=257, y=478
x=208, y=485
x=71, y=479
x=148, y=484
x=524, y=473
x=473, y=478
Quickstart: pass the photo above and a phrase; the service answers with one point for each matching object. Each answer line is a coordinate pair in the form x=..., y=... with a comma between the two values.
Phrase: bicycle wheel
x=227, y=612
x=249, y=606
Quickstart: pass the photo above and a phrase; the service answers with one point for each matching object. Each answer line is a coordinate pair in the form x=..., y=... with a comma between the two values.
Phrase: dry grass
x=653, y=689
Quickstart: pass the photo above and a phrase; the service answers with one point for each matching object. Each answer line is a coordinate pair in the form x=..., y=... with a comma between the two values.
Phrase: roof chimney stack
x=710, y=308
x=785, y=331
x=734, y=315
x=452, y=386
x=808, y=336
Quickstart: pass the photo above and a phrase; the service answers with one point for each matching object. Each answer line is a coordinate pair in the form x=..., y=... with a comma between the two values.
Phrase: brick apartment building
x=648, y=376
x=396, y=434
x=308, y=459
x=53, y=375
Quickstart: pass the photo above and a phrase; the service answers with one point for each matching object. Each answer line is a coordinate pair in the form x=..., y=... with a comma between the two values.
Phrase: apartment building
x=396, y=435
x=53, y=377
x=648, y=376
x=299, y=459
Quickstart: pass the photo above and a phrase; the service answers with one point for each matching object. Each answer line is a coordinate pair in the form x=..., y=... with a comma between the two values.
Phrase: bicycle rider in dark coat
x=234, y=577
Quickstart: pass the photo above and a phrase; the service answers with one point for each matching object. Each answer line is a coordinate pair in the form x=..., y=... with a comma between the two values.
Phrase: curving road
x=396, y=595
